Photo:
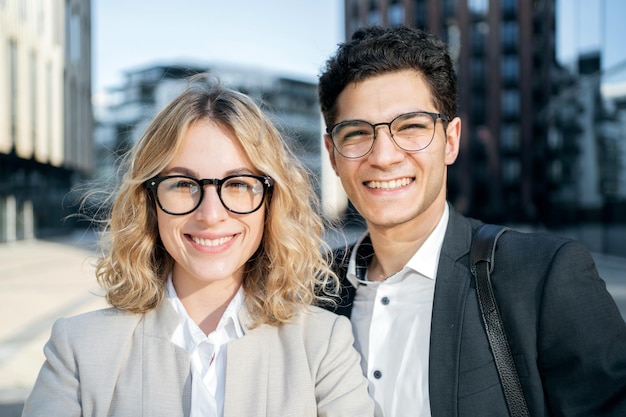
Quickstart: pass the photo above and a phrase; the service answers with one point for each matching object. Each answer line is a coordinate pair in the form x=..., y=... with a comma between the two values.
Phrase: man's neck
x=394, y=246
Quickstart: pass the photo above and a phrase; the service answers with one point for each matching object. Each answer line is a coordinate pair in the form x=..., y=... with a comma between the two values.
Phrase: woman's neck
x=205, y=304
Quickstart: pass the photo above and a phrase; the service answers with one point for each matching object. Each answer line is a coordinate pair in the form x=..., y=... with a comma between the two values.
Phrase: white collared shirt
x=391, y=323
x=208, y=353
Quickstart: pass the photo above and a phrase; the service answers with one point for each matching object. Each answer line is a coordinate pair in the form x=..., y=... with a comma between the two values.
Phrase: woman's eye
x=183, y=186
x=239, y=186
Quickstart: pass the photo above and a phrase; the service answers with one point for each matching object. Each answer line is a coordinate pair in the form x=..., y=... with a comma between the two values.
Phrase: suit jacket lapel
x=340, y=265
x=449, y=305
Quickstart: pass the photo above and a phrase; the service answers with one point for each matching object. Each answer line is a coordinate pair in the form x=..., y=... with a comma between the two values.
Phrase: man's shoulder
x=536, y=254
x=537, y=240
x=519, y=242
x=517, y=235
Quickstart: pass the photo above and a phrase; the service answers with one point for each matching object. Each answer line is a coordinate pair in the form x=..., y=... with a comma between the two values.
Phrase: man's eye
x=355, y=134
x=412, y=126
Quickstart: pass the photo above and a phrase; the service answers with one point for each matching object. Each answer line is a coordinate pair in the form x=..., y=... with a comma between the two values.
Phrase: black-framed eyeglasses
x=180, y=194
x=411, y=132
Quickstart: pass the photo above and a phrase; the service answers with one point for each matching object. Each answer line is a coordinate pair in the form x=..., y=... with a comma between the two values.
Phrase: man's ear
x=453, y=140
x=328, y=143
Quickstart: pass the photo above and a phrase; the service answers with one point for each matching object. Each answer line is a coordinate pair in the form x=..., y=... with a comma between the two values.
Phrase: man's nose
x=384, y=151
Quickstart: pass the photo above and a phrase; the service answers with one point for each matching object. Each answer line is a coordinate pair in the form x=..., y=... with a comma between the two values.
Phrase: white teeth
x=211, y=242
x=389, y=185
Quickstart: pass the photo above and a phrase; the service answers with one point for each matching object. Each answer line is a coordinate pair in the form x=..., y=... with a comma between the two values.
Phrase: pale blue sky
x=290, y=36
x=294, y=37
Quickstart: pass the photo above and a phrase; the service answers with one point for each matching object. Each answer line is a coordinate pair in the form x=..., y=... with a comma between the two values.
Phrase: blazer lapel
x=166, y=371
x=449, y=304
x=247, y=370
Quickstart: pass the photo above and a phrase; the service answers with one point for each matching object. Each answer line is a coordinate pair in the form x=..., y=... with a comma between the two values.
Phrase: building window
x=373, y=15
x=509, y=6
x=49, y=108
x=23, y=11
x=480, y=7
x=71, y=142
x=510, y=34
x=510, y=68
x=57, y=25
x=420, y=14
x=396, y=13
x=449, y=7
x=510, y=103
x=480, y=30
x=511, y=170
x=510, y=138
x=477, y=69
x=33, y=97
x=354, y=20
x=73, y=35
x=41, y=17
x=478, y=109
x=13, y=97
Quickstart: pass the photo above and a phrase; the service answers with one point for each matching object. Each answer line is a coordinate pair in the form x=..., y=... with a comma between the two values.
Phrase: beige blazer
x=111, y=363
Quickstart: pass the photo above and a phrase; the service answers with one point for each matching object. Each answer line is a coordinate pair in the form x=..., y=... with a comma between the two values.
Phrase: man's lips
x=389, y=185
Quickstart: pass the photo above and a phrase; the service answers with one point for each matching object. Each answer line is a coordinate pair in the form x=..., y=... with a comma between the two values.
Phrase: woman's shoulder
x=101, y=315
x=318, y=321
x=318, y=333
x=96, y=323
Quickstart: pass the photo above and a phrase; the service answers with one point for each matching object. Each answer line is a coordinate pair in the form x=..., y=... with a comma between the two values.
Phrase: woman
x=213, y=262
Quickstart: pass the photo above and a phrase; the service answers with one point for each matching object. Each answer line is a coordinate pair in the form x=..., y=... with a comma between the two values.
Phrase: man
x=388, y=98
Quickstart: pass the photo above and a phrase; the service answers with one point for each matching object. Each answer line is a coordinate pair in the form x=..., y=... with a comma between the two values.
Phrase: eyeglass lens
x=411, y=132
x=182, y=195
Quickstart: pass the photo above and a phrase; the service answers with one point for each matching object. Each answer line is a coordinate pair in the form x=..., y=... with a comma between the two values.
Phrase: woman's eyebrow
x=190, y=173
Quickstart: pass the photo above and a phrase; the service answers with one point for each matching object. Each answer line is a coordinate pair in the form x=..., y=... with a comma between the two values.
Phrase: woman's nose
x=211, y=208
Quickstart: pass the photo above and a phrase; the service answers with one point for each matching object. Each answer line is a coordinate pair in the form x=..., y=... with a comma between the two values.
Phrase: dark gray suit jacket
x=566, y=333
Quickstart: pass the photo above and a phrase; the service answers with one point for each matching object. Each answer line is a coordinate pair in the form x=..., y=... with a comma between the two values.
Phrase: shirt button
x=384, y=300
x=378, y=374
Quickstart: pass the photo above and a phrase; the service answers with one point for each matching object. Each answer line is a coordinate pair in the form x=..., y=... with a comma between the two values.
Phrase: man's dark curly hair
x=375, y=51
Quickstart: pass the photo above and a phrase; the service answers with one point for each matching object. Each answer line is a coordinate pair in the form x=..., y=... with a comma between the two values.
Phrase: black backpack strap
x=482, y=262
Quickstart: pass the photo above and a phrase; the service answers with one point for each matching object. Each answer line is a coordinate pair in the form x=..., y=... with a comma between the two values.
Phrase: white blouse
x=208, y=356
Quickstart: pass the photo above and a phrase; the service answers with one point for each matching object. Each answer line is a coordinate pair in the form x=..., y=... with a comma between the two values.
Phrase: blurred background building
x=45, y=113
x=544, y=132
x=126, y=111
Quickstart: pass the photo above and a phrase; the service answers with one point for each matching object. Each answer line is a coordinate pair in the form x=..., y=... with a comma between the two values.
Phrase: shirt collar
x=425, y=260
x=188, y=334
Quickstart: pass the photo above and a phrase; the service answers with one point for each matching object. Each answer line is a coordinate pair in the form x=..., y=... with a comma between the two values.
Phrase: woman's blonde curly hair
x=290, y=266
